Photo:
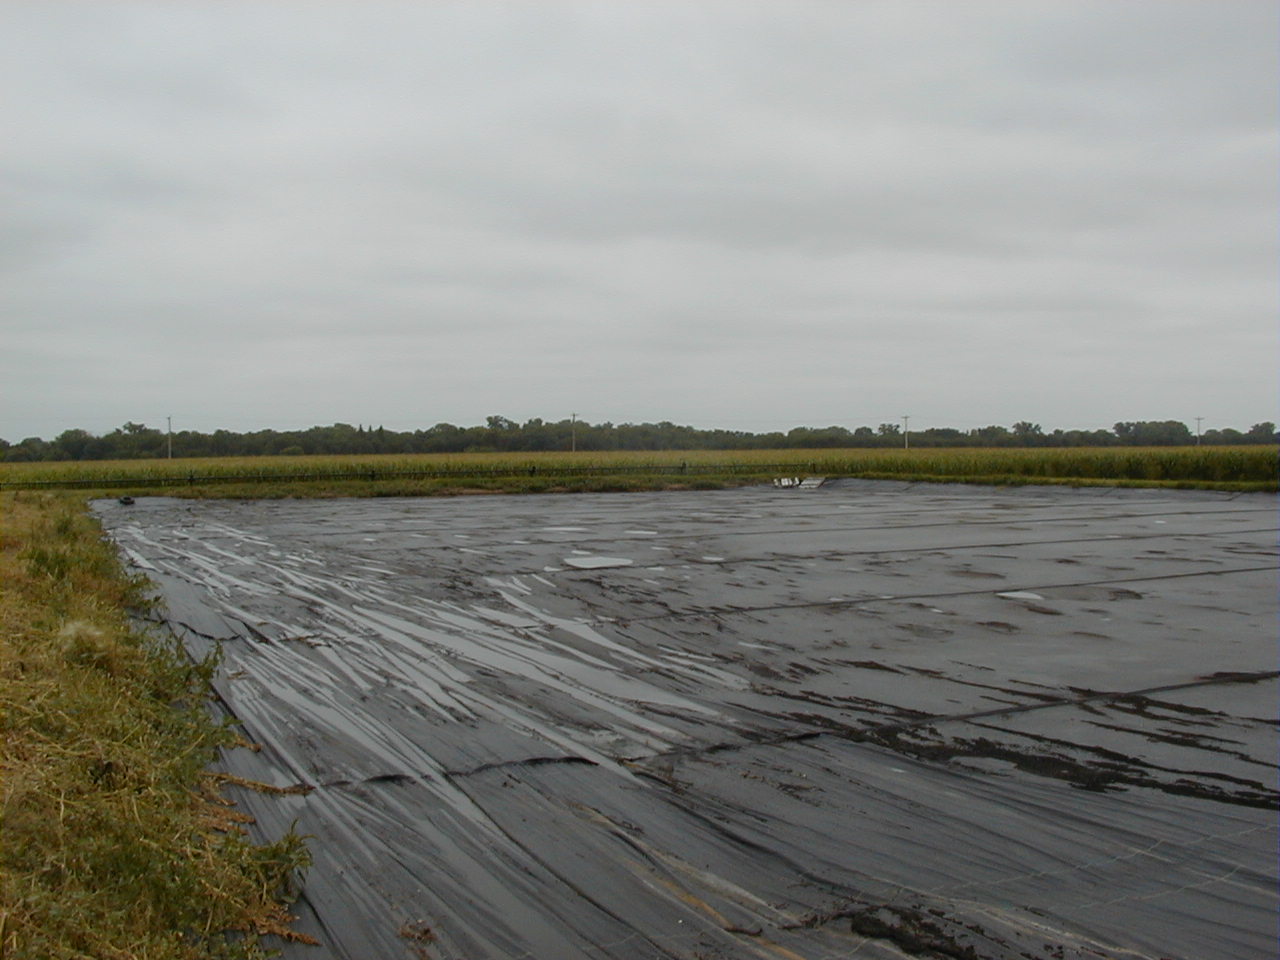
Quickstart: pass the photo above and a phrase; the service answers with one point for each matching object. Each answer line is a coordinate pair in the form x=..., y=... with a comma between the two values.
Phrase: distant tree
x=220, y=444
x=1224, y=437
x=825, y=437
x=1081, y=438
x=992, y=436
x=27, y=450
x=189, y=443
x=864, y=437
x=1264, y=432
x=774, y=440
x=1027, y=433
x=73, y=444
x=443, y=438
x=1153, y=433
x=499, y=433
x=132, y=441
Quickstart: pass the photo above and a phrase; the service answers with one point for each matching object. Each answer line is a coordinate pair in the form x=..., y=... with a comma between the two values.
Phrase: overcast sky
x=749, y=215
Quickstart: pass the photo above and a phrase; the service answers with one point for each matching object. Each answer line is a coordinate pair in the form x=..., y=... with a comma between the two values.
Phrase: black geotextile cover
x=869, y=720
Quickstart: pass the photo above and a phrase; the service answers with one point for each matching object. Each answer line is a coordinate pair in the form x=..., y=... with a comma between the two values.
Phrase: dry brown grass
x=115, y=843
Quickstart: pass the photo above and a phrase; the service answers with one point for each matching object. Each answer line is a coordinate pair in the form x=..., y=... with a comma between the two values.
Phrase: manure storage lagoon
x=868, y=720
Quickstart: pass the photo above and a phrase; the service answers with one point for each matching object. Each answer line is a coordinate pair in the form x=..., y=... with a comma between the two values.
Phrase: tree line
x=498, y=434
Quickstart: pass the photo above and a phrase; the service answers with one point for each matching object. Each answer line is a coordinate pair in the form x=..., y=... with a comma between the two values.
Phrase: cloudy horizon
x=751, y=216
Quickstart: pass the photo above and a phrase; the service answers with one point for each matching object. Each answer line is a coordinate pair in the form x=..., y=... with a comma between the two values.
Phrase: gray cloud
x=279, y=215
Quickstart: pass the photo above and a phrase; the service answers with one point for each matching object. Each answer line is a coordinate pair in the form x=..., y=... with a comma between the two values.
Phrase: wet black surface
x=869, y=720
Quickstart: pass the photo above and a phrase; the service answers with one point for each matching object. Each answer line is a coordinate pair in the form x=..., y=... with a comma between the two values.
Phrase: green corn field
x=1251, y=467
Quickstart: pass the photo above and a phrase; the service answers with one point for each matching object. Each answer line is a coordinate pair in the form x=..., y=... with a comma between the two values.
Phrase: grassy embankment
x=115, y=841
x=1221, y=468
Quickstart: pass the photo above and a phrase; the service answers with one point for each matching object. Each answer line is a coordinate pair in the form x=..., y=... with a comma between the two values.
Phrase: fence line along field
x=1227, y=468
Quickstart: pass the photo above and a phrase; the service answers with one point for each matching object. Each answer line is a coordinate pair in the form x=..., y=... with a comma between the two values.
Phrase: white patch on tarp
x=596, y=563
